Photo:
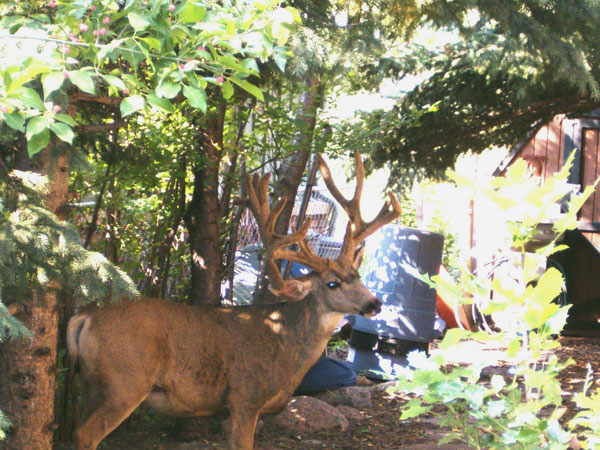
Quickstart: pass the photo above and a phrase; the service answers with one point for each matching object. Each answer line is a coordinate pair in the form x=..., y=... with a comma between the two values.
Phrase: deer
x=192, y=360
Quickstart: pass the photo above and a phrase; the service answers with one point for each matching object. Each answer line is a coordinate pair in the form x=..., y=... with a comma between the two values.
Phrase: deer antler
x=357, y=229
x=275, y=244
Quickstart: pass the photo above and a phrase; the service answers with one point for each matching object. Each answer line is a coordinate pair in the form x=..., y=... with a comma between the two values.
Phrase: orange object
x=446, y=310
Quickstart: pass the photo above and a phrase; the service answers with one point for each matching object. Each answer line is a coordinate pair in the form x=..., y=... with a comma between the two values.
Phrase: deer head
x=338, y=278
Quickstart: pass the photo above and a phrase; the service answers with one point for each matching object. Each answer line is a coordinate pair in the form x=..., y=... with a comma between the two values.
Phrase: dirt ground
x=379, y=429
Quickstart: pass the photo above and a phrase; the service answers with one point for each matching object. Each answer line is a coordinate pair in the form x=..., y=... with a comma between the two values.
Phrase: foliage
x=36, y=247
x=4, y=425
x=520, y=410
x=589, y=416
x=510, y=67
x=151, y=53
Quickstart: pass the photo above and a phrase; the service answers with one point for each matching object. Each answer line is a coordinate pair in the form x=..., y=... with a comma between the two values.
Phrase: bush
x=520, y=410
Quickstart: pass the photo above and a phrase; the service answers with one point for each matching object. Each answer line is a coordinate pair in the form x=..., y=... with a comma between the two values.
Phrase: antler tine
x=390, y=211
x=357, y=229
x=275, y=244
x=305, y=255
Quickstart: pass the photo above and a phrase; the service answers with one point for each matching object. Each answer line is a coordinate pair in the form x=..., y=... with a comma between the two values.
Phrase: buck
x=197, y=360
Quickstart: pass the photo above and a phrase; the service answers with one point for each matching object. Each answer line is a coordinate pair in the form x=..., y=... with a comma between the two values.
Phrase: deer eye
x=333, y=285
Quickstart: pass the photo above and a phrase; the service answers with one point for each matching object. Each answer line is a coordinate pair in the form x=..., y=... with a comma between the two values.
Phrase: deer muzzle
x=371, y=308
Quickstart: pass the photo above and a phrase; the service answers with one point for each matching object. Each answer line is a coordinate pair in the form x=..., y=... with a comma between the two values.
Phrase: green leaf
x=131, y=104
x=36, y=125
x=161, y=103
x=138, y=22
x=227, y=89
x=106, y=49
x=63, y=132
x=413, y=408
x=51, y=82
x=15, y=121
x=496, y=407
x=84, y=80
x=29, y=98
x=556, y=433
x=452, y=337
x=248, y=87
x=65, y=119
x=152, y=43
x=281, y=61
x=114, y=81
x=38, y=142
x=192, y=13
x=196, y=97
x=32, y=69
x=168, y=89
x=513, y=348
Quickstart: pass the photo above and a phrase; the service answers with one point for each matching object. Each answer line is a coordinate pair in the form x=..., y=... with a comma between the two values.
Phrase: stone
x=358, y=397
x=309, y=414
x=383, y=387
x=352, y=414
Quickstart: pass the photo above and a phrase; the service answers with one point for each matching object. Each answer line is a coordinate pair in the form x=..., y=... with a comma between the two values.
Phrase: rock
x=309, y=414
x=352, y=414
x=383, y=387
x=363, y=381
x=358, y=397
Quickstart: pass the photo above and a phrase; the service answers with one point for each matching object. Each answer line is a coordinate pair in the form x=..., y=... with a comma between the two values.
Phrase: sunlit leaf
x=84, y=80
x=192, y=13
x=248, y=87
x=138, y=22
x=161, y=103
x=414, y=408
x=168, y=89
x=196, y=97
x=51, y=82
x=63, y=132
x=36, y=125
x=132, y=104
x=114, y=81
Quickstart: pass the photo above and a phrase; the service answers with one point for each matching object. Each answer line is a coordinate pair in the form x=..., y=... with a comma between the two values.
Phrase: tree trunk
x=203, y=217
x=28, y=371
x=28, y=368
x=289, y=175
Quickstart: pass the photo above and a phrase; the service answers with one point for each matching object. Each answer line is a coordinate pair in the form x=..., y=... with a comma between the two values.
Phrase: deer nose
x=372, y=307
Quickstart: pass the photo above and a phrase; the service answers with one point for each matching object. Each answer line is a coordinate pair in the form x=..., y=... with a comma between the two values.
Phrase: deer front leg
x=243, y=427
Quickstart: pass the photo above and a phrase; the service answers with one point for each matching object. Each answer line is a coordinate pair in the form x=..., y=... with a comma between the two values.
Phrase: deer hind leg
x=243, y=427
x=104, y=411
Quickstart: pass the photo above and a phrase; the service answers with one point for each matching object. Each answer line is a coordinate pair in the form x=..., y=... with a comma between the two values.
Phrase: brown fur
x=197, y=360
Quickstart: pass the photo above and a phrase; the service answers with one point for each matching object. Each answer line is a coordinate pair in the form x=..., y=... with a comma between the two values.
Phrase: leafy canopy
x=512, y=66
x=152, y=53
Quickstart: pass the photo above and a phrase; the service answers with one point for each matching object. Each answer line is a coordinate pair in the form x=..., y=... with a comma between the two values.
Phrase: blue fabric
x=327, y=373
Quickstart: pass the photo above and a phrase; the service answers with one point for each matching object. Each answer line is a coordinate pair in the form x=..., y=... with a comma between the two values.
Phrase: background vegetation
x=144, y=114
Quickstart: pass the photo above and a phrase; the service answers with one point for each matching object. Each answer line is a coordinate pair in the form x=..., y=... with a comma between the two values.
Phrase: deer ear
x=292, y=290
x=358, y=257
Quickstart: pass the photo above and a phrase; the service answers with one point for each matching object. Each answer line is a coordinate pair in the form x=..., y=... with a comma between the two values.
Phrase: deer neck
x=310, y=323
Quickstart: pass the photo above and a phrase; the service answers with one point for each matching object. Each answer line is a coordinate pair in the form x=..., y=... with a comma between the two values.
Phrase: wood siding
x=590, y=171
x=547, y=145
x=581, y=261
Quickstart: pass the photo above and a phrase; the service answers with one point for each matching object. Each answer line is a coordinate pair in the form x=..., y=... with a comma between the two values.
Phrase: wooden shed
x=545, y=151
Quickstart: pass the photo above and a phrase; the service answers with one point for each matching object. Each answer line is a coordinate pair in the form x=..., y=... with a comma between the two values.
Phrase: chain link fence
x=322, y=210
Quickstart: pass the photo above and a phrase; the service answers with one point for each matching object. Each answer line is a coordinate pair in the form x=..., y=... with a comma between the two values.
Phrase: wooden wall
x=545, y=150
x=546, y=146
